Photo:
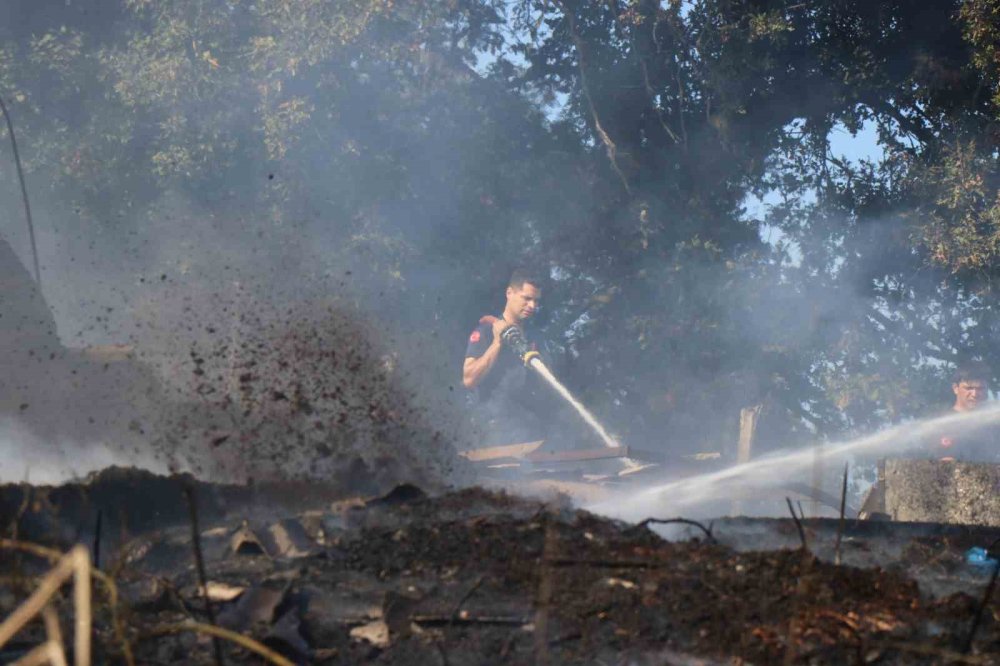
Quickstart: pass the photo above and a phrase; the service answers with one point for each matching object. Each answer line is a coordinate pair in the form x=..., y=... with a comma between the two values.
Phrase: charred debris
x=473, y=576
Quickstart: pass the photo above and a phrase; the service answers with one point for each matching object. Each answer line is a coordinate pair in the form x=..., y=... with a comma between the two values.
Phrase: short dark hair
x=522, y=275
x=971, y=370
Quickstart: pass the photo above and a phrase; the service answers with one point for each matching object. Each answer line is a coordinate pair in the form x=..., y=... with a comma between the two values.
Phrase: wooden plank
x=583, y=492
x=603, y=453
x=635, y=469
x=661, y=456
x=498, y=452
x=744, y=445
x=748, y=430
x=529, y=451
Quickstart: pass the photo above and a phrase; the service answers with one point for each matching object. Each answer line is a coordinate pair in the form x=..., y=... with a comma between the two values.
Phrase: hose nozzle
x=514, y=340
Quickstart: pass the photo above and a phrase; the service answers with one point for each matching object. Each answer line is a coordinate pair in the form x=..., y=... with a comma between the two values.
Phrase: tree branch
x=908, y=124
x=609, y=145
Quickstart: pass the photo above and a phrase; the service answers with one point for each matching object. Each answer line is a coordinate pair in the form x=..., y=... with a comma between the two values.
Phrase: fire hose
x=513, y=339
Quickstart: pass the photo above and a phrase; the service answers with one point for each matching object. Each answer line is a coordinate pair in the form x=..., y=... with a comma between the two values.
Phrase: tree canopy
x=406, y=155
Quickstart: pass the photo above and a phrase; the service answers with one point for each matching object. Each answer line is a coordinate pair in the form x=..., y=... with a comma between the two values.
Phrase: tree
x=405, y=156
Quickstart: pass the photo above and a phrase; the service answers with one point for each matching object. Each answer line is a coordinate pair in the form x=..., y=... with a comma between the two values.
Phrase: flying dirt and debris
x=306, y=392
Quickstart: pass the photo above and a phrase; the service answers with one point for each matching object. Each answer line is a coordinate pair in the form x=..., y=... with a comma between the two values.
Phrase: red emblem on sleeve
x=475, y=336
x=947, y=441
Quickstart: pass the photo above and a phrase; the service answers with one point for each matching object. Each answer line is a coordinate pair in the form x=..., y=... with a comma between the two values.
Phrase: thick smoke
x=30, y=458
x=295, y=285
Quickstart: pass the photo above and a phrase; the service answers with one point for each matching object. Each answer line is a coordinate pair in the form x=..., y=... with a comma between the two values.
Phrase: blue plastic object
x=980, y=558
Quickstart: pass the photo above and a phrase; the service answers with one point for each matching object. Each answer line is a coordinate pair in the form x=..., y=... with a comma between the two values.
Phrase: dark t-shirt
x=504, y=405
x=980, y=444
x=508, y=379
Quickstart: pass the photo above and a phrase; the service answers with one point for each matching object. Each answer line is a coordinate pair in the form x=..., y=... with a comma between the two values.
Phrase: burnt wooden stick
x=442, y=653
x=682, y=521
x=798, y=524
x=450, y=620
x=967, y=646
x=200, y=564
x=840, y=524
x=543, y=596
x=465, y=597
x=606, y=564
x=97, y=540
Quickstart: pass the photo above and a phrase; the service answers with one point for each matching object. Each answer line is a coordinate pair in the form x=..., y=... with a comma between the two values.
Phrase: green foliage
x=981, y=28
x=616, y=143
x=962, y=230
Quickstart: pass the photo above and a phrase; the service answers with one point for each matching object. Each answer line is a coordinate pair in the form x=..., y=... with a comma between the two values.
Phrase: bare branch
x=609, y=145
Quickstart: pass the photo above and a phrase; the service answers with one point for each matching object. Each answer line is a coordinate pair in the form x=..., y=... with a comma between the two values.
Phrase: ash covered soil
x=481, y=577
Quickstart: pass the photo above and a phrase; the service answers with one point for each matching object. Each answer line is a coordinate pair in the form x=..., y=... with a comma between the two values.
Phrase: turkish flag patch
x=947, y=442
x=475, y=336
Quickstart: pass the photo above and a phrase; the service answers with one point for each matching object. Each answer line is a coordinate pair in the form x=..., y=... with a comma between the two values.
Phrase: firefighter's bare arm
x=474, y=369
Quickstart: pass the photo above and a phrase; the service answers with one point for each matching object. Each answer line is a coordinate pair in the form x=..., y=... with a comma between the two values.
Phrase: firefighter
x=499, y=387
x=970, y=386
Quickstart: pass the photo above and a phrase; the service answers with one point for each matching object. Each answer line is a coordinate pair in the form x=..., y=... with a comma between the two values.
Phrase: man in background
x=970, y=385
x=971, y=388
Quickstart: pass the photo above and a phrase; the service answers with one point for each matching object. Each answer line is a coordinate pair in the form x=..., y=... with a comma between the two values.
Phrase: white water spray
x=540, y=368
x=629, y=465
x=774, y=469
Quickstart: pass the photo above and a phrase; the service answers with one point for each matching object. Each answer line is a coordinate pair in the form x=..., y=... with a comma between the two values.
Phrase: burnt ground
x=481, y=577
